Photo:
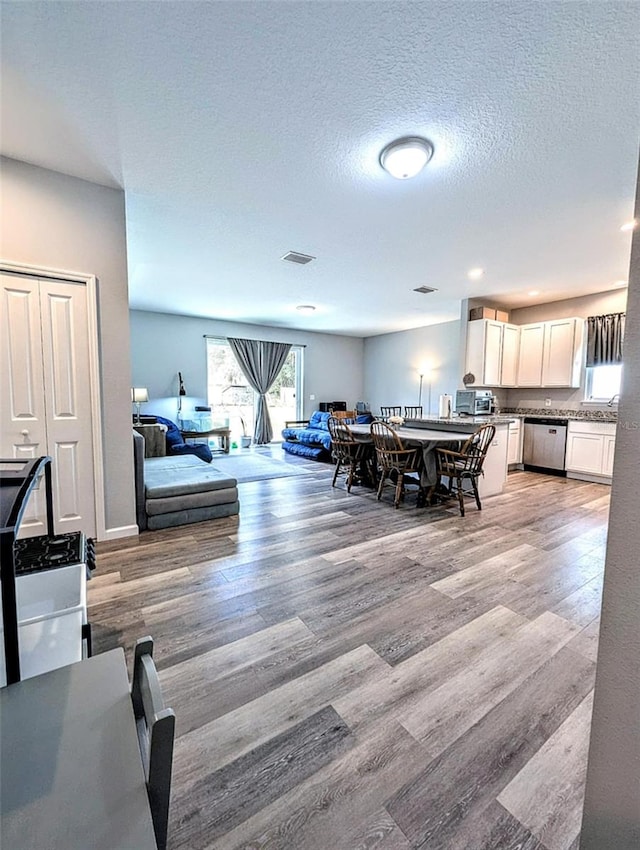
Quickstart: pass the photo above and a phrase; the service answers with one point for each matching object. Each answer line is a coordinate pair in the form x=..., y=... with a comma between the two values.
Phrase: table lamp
x=139, y=395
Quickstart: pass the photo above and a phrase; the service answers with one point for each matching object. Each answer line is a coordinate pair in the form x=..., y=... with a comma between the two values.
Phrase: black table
x=70, y=762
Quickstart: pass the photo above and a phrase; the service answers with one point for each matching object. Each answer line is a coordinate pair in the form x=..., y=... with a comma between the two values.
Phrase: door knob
x=24, y=432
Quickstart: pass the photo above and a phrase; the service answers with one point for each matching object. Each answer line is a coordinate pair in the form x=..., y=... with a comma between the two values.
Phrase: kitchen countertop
x=573, y=415
x=467, y=423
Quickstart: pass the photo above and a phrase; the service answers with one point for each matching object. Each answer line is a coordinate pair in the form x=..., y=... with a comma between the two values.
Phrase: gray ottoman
x=181, y=489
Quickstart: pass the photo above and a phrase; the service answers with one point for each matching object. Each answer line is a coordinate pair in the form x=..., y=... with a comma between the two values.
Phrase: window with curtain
x=605, y=337
x=232, y=398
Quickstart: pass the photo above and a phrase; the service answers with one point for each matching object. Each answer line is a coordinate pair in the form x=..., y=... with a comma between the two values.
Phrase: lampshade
x=406, y=157
x=139, y=395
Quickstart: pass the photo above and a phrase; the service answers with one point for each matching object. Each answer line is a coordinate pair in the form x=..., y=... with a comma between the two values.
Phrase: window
x=231, y=397
x=603, y=382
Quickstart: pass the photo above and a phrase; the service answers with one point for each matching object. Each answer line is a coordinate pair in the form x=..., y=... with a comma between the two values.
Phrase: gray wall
x=392, y=364
x=612, y=803
x=59, y=222
x=597, y=304
x=164, y=344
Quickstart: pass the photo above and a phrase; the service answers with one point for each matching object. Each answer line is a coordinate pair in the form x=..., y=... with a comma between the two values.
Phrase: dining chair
x=351, y=456
x=465, y=464
x=391, y=411
x=394, y=459
x=156, y=731
x=413, y=412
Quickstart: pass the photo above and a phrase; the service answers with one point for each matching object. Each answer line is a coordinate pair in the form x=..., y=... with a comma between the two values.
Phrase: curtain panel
x=261, y=363
x=605, y=336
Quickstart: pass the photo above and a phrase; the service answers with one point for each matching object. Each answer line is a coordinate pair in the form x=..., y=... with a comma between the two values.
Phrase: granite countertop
x=553, y=413
x=505, y=416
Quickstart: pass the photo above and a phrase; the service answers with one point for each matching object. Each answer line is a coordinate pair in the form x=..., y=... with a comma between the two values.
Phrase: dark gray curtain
x=604, y=339
x=261, y=363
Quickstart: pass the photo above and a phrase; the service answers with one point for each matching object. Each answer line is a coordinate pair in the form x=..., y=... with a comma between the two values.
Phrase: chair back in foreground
x=394, y=459
x=465, y=464
x=347, y=452
x=156, y=732
x=413, y=412
x=391, y=411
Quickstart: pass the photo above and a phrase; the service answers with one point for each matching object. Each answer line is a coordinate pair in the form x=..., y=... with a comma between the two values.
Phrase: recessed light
x=406, y=157
x=629, y=225
x=475, y=274
x=534, y=292
x=305, y=308
x=621, y=283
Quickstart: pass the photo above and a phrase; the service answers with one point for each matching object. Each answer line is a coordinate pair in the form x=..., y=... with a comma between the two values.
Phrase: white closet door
x=22, y=408
x=67, y=391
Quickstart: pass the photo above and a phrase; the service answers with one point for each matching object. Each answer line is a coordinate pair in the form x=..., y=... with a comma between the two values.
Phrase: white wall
x=164, y=344
x=612, y=802
x=55, y=221
x=393, y=363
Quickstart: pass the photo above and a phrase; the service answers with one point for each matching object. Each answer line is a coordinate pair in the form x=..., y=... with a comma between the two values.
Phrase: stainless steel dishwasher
x=545, y=441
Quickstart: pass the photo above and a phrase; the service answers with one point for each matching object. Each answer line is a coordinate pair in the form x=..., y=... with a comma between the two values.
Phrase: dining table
x=427, y=439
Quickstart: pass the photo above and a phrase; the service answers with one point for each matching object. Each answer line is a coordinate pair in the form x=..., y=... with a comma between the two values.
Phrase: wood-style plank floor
x=346, y=675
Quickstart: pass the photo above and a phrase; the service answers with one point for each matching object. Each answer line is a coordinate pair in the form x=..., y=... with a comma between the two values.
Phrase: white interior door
x=67, y=392
x=45, y=394
x=22, y=409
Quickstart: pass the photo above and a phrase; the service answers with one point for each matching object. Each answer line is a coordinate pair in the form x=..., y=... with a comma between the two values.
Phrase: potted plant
x=245, y=439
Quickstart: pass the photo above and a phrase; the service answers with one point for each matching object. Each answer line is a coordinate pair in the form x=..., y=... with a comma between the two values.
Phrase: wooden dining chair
x=351, y=456
x=156, y=732
x=391, y=411
x=465, y=464
x=394, y=459
x=413, y=412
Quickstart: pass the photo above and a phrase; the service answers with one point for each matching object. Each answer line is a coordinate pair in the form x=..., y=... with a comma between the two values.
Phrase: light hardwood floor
x=346, y=675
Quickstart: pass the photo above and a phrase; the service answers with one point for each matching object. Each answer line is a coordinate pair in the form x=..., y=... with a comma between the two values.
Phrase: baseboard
x=121, y=531
x=594, y=479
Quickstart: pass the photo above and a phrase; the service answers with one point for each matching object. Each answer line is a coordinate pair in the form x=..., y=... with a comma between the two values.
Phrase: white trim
x=121, y=531
x=88, y=280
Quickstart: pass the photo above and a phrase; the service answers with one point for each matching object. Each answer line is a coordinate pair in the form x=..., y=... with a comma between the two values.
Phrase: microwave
x=474, y=402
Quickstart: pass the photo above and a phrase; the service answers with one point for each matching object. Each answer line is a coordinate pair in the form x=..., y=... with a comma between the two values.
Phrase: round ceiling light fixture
x=629, y=225
x=406, y=157
x=475, y=274
x=305, y=308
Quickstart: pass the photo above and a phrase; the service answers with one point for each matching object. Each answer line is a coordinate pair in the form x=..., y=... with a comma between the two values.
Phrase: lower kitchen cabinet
x=514, y=452
x=590, y=450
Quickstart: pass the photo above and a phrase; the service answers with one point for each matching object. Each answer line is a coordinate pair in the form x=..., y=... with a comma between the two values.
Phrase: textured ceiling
x=243, y=130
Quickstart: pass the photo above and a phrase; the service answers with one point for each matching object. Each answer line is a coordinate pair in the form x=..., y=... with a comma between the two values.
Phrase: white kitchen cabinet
x=530, y=355
x=590, y=450
x=550, y=353
x=514, y=451
x=510, y=351
x=607, y=454
x=562, y=354
x=492, y=352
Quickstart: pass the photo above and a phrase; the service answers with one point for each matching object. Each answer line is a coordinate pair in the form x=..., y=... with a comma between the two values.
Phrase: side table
x=223, y=435
x=155, y=443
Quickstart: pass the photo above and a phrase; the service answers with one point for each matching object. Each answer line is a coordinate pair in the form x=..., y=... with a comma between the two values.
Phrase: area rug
x=255, y=467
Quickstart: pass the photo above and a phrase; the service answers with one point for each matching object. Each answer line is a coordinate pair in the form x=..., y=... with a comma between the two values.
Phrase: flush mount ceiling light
x=305, y=308
x=475, y=274
x=534, y=292
x=629, y=225
x=406, y=157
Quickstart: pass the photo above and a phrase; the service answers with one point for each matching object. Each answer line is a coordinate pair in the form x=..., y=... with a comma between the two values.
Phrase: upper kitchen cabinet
x=492, y=352
x=551, y=353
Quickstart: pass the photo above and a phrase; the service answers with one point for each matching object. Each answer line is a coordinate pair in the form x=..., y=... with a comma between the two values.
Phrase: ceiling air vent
x=425, y=289
x=296, y=257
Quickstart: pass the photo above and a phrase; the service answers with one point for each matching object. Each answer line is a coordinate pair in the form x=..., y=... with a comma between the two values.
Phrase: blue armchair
x=177, y=446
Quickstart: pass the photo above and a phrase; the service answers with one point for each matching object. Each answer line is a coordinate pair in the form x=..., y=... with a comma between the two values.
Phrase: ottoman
x=180, y=489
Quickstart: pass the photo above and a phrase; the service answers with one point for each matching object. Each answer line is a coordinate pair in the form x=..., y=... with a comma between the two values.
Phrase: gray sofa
x=179, y=489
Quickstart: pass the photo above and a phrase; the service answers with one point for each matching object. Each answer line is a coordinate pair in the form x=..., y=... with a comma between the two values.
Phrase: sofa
x=179, y=489
x=312, y=439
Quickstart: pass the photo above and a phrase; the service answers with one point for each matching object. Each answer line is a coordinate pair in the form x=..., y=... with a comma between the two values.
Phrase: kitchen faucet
x=612, y=399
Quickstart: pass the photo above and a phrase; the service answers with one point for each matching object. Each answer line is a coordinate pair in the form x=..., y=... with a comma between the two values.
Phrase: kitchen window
x=603, y=382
